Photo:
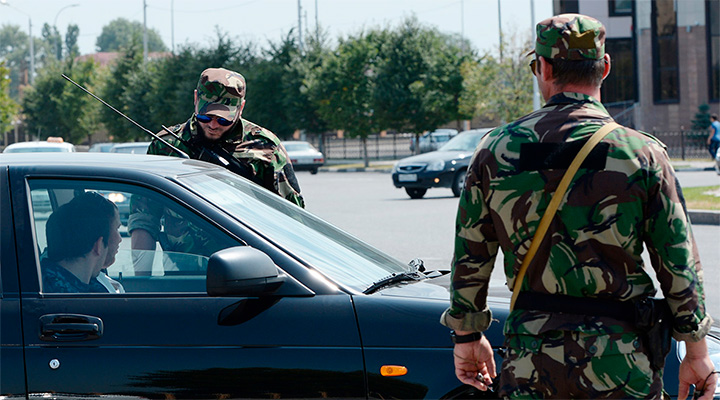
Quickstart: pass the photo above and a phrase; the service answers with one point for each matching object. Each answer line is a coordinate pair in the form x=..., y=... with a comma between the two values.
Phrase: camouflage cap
x=571, y=37
x=220, y=92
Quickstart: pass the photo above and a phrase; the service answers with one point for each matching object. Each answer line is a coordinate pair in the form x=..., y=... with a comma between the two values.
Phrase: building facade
x=665, y=59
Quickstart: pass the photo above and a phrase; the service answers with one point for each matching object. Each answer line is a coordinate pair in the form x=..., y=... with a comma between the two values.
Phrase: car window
x=183, y=241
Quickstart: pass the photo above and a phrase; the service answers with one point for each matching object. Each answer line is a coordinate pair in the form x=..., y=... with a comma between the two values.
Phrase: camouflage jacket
x=250, y=143
x=625, y=196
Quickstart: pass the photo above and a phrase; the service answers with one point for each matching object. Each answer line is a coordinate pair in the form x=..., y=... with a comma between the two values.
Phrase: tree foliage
x=500, y=89
x=55, y=107
x=702, y=118
x=121, y=33
x=8, y=106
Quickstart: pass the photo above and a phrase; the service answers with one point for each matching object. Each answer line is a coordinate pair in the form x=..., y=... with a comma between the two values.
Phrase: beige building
x=666, y=59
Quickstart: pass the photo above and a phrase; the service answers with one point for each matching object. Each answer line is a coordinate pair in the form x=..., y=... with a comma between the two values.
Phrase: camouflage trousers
x=567, y=365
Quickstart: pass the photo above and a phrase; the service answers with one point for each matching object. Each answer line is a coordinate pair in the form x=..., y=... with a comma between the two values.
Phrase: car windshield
x=297, y=146
x=341, y=257
x=463, y=142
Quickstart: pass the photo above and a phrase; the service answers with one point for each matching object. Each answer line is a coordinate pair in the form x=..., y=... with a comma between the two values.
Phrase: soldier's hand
x=475, y=364
x=697, y=369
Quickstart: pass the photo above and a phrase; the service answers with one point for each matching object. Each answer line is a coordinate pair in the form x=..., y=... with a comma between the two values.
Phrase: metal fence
x=392, y=146
x=685, y=144
x=380, y=147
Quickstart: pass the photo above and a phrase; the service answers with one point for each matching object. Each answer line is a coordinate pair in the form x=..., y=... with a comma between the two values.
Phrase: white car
x=130, y=148
x=40, y=147
x=304, y=157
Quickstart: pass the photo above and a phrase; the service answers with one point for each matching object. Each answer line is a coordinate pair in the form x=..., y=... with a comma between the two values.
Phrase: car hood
x=408, y=315
x=436, y=155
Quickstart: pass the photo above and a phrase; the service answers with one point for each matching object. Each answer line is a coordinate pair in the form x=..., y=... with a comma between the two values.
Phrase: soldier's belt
x=559, y=303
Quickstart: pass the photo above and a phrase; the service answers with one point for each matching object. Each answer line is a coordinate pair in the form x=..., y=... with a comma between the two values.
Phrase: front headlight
x=713, y=344
x=437, y=165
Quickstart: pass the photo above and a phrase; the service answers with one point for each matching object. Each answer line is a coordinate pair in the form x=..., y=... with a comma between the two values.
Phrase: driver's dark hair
x=73, y=228
x=583, y=72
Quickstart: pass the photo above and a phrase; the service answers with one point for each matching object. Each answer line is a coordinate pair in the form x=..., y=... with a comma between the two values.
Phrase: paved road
x=366, y=205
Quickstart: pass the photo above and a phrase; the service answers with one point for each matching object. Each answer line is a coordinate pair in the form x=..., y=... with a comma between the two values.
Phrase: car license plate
x=407, y=178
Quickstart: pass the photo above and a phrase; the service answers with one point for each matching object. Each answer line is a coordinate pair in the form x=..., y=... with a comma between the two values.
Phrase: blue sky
x=264, y=20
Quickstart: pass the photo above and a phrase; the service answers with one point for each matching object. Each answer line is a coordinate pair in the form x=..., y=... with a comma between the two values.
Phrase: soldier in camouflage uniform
x=219, y=101
x=625, y=195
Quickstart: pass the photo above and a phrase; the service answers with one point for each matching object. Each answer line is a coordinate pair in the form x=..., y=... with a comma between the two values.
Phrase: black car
x=280, y=304
x=444, y=168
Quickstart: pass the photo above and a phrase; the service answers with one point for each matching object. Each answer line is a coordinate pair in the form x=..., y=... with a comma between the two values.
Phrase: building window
x=712, y=12
x=620, y=85
x=620, y=7
x=569, y=7
x=666, y=79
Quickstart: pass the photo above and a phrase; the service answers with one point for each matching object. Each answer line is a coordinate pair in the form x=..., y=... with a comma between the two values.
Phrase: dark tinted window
x=620, y=7
x=666, y=79
x=713, y=24
x=620, y=85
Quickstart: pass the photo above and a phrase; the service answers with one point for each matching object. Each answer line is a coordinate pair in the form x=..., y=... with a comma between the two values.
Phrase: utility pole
x=145, y=44
x=500, y=34
x=300, y=40
x=172, y=25
x=536, y=94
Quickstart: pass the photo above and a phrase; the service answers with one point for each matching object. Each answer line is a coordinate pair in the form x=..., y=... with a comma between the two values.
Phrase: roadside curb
x=355, y=169
x=704, y=217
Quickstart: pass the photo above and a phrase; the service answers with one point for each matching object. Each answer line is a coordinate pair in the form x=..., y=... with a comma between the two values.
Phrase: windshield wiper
x=417, y=268
x=393, y=279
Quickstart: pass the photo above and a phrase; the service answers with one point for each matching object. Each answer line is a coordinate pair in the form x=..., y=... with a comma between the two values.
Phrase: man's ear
x=607, y=65
x=195, y=100
x=98, y=246
x=240, y=108
x=546, y=69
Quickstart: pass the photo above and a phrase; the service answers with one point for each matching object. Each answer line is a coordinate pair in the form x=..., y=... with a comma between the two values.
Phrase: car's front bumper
x=424, y=179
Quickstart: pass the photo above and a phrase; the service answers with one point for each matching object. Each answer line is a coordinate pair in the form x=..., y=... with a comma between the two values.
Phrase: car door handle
x=70, y=327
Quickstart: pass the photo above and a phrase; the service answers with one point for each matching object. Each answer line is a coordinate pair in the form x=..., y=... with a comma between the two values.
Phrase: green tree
x=8, y=106
x=114, y=92
x=344, y=87
x=14, y=51
x=418, y=79
x=55, y=107
x=121, y=33
x=702, y=118
x=501, y=90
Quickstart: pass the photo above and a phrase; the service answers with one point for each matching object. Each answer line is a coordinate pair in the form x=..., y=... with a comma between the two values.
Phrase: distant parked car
x=432, y=141
x=442, y=168
x=101, y=147
x=304, y=156
x=130, y=148
x=40, y=147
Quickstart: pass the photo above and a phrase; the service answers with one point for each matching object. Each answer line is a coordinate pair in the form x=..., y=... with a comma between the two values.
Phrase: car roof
x=104, y=163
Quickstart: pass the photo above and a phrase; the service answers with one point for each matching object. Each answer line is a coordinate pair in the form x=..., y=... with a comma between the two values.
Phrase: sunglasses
x=204, y=118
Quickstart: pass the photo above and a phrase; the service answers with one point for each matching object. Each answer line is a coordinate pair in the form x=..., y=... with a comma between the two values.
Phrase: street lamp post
x=32, y=46
x=59, y=45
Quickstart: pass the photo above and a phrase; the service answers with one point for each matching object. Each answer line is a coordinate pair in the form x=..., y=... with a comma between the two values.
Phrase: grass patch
x=702, y=197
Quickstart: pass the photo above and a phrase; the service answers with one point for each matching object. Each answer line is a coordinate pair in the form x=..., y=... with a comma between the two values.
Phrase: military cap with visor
x=571, y=37
x=220, y=92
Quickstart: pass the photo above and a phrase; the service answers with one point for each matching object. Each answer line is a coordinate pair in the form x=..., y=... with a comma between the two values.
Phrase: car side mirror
x=242, y=271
